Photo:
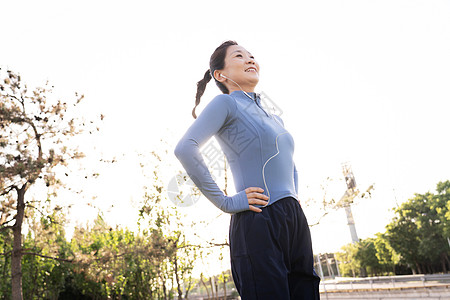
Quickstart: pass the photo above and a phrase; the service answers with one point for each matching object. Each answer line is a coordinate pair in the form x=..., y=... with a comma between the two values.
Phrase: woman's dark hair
x=216, y=62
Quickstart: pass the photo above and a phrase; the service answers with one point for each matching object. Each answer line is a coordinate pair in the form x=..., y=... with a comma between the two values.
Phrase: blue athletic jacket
x=257, y=147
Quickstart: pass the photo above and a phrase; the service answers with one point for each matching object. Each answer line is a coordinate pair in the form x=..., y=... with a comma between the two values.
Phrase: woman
x=270, y=242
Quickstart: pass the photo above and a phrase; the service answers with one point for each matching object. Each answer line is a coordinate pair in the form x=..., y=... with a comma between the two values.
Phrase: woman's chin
x=254, y=81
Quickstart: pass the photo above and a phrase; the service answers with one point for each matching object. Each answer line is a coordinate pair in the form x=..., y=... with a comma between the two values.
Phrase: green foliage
x=419, y=231
x=114, y=263
x=46, y=256
x=417, y=237
x=367, y=257
x=5, y=262
x=35, y=129
x=348, y=265
x=386, y=256
x=371, y=256
x=100, y=262
x=443, y=206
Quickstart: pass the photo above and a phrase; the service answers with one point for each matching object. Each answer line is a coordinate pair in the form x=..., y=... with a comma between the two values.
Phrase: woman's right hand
x=255, y=196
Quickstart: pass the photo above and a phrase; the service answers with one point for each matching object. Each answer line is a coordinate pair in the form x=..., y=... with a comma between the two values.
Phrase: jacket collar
x=241, y=94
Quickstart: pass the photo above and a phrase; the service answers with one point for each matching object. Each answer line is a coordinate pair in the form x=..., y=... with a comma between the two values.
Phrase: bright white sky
x=359, y=81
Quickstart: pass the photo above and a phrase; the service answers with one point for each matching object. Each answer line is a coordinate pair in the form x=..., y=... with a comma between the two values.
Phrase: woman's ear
x=218, y=77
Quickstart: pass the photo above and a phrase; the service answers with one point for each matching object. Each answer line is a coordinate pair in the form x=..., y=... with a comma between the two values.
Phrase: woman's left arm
x=217, y=112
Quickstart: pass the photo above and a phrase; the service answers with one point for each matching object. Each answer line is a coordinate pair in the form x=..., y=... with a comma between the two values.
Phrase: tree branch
x=211, y=245
x=3, y=219
x=6, y=227
x=46, y=256
x=9, y=189
x=12, y=96
x=318, y=221
x=218, y=245
x=48, y=217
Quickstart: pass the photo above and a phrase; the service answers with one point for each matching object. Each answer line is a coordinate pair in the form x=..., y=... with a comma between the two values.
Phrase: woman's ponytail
x=201, y=86
x=216, y=62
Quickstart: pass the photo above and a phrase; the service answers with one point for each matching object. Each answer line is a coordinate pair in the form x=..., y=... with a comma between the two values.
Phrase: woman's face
x=241, y=67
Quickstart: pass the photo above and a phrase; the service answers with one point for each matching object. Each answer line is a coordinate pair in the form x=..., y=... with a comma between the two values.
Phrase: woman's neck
x=244, y=88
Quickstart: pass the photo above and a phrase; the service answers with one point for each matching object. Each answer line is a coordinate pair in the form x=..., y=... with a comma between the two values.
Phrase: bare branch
x=3, y=218
x=218, y=244
x=9, y=189
x=318, y=221
x=211, y=245
x=14, y=97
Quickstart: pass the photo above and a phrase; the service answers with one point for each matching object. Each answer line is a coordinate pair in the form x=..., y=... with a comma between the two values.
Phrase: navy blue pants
x=271, y=253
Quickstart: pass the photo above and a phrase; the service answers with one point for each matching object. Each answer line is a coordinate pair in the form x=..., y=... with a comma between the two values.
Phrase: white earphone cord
x=243, y=91
x=237, y=85
x=276, y=141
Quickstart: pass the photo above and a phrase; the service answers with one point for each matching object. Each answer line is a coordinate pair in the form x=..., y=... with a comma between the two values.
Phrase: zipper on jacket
x=256, y=101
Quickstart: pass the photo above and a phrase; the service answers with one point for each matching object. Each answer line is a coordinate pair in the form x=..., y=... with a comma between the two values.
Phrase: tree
x=359, y=259
x=416, y=240
x=34, y=133
x=387, y=256
x=366, y=255
x=443, y=210
x=326, y=204
x=177, y=255
x=348, y=265
x=418, y=232
x=49, y=260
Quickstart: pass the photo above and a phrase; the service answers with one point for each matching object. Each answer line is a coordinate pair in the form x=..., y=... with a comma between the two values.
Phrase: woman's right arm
x=219, y=111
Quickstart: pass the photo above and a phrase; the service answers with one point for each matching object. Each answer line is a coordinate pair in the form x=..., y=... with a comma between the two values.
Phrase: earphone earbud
x=221, y=75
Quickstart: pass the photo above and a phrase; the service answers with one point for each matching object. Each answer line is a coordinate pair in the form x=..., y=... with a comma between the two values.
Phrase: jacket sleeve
x=216, y=114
